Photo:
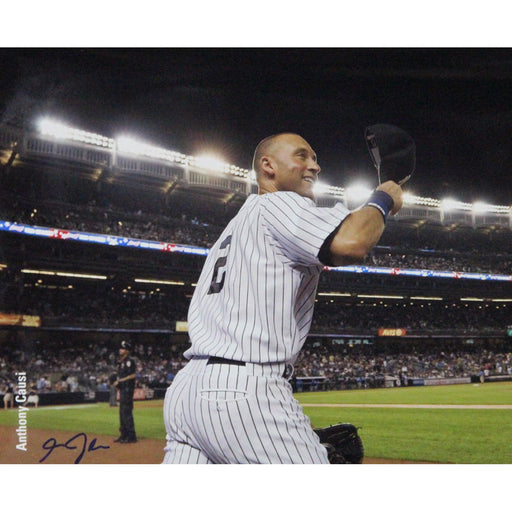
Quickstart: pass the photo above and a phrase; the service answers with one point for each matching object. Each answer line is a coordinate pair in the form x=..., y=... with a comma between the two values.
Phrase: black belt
x=288, y=371
x=222, y=360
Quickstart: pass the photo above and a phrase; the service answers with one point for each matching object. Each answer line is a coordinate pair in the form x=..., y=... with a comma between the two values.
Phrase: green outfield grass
x=463, y=436
x=464, y=394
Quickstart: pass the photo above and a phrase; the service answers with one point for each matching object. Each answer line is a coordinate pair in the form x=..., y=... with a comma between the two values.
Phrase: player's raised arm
x=362, y=228
x=393, y=153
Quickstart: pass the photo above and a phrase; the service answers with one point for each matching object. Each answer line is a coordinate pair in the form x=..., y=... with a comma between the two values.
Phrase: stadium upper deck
x=109, y=161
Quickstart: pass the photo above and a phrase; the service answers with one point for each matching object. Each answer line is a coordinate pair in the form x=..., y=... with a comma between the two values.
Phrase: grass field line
x=413, y=406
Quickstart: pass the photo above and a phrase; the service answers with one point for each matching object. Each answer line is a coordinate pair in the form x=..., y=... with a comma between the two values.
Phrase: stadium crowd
x=67, y=365
x=104, y=307
x=465, y=252
x=159, y=307
x=471, y=317
x=456, y=262
x=114, y=221
x=347, y=370
x=62, y=366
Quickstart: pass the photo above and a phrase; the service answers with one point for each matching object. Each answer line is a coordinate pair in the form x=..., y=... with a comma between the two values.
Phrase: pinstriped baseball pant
x=228, y=414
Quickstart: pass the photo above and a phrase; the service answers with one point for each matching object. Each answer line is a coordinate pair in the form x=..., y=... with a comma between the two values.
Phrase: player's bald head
x=266, y=147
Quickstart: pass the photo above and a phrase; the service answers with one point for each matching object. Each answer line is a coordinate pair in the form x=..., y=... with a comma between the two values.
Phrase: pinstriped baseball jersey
x=255, y=297
x=252, y=307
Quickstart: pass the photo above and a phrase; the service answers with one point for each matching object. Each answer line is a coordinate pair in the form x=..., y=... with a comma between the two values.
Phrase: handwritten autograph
x=77, y=442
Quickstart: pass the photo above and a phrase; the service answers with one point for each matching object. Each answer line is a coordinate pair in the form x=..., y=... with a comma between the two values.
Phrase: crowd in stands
x=456, y=262
x=468, y=252
x=107, y=220
x=471, y=317
x=65, y=366
x=62, y=365
x=104, y=305
x=347, y=370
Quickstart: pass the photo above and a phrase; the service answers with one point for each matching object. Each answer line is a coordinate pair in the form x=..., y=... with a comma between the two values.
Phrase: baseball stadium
x=103, y=240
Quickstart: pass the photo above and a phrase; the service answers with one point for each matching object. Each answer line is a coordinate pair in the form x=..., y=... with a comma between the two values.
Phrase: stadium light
x=426, y=201
x=362, y=296
x=358, y=193
x=125, y=144
x=320, y=188
x=154, y=281
x=209, y=162
x=480, y=207
x=335, y=294
x=409, y=198
x=59, y=130
x=449, y=204
x=62, y=274
x=426, y=298
x=128, y=144
x=54, y=128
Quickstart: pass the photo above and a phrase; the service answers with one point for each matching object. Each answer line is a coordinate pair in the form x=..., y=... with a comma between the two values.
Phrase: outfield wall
x=457, y=380
x=80, y=397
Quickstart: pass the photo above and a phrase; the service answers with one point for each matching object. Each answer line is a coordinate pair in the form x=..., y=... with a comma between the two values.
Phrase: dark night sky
x=456, y=103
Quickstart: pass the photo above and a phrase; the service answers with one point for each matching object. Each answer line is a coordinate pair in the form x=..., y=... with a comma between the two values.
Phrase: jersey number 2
x=216, y=286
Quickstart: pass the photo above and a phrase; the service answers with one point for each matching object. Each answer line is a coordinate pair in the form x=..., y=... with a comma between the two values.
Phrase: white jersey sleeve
x=298, y=227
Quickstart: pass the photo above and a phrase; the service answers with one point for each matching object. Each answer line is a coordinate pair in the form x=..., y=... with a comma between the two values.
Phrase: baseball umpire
x=126, y=384
x=252, y=309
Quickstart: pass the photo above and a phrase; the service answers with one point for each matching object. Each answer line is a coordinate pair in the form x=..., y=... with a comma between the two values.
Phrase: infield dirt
x=145, y=451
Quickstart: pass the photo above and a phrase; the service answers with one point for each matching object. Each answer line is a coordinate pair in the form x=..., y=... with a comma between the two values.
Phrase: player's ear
x=267, y=167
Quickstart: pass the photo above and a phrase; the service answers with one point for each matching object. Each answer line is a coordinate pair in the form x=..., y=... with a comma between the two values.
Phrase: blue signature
x=77, y=442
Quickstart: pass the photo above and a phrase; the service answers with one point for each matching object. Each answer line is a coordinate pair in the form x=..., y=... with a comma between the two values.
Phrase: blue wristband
x=382, y=201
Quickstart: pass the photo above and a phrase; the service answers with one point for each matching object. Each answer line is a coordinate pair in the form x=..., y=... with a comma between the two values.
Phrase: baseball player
x=252, y=309
x=126, y=384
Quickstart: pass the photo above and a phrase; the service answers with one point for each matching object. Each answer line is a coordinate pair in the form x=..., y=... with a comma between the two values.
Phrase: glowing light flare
x=128, y=144
x=320, y=188
x=409, y=198
x=54, y=128
x=425, y=298
x=481, y=207
x=358, y=192
x=334, y=294
x=210, y=163
x=62, y=274
x=364, y=296
x=450, y=204
x=156, y=281
x=59, y=130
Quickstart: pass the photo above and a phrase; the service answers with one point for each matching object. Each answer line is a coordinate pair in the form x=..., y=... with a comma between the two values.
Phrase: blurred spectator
x=8, y=391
